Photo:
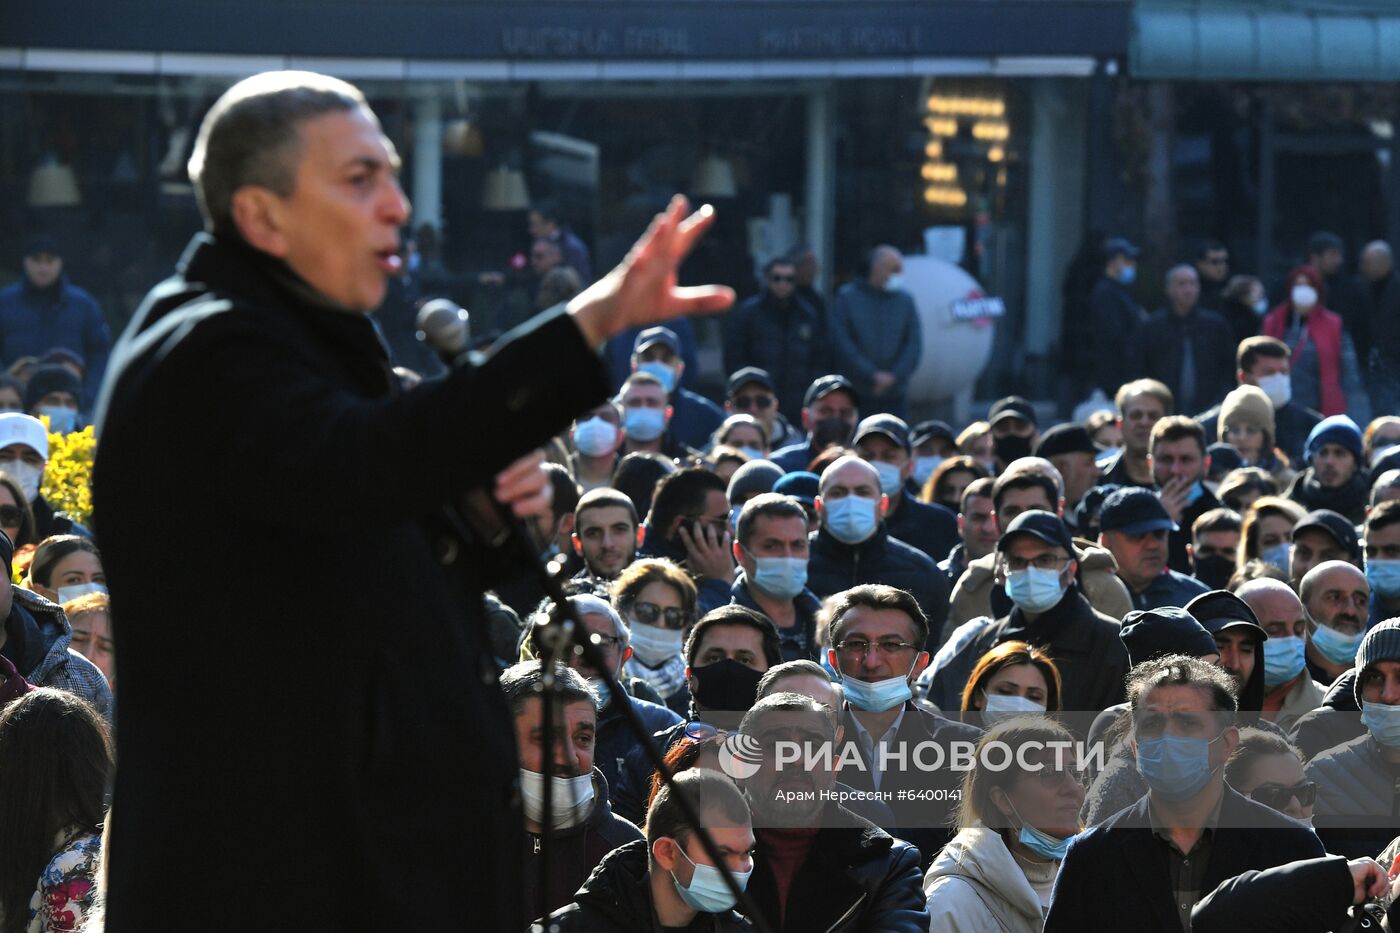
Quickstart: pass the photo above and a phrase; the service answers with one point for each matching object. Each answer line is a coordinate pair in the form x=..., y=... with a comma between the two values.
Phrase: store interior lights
x=939, y=171
x=945, y=196
x=991, y=131
x=966, y=106
x=996, y=154
x=942, y=126
x=934, y=149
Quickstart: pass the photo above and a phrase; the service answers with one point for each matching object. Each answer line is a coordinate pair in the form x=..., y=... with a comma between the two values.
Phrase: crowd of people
x=1198, y=583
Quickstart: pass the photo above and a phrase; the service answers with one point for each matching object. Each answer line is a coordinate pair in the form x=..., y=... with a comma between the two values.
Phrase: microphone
x=445, y=328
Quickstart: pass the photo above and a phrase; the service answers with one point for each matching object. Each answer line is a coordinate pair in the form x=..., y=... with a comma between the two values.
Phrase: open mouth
x=389, y=261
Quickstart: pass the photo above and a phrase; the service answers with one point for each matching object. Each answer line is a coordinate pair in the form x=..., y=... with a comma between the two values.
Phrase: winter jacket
x=574, y=852
x=1159, y=352
x=1324, y=369
x=1302, y=698
x=614, y=739
x=794, y=459
x=1349, y=499
x=873, y=330
x=34, y=321
x=954, y=566
x=924, y=823
x=977, y=886
x=856, y=879
x=835, y=566
x=398, y=716
x=1177, y=558
x=1117, y=318
x=1116, y=876
x=791, y=342
x=978, y=594
x=48, y=522
x=633, y=787
x=800, y=641
x=694, y=418
x=616, y=898
x=1292, y=425
x=37, y=643
x=1358, y=808
x=1168, y=588
x=711, y=593
x=1337, y=720
x=1083, y=641
x=1309, y=895
x=929, y=527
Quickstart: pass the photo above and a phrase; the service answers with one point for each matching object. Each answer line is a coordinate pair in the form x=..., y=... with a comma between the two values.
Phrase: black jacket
x=790, y=341
x=856, y=879
x=1309, y=896
x=881, y=558
x=925, y=822
x=1157, y=353
x=333, y=777
x=616, y=898
x=926, y=526
x=1116, y=876
x=574, y=852
x=1177, y=558
x=1336, y=721
x=1117, y=318
x=615, y=740
x=1349, y=499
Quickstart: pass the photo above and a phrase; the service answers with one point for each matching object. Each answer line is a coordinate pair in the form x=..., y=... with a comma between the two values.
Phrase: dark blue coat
x=34, y=321
x=615, y=739
x=931, y=528
x=794, y=459
x=791, y=342
x=1116, y=320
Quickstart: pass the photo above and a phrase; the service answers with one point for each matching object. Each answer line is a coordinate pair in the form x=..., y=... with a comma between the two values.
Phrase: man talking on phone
x=306, y=679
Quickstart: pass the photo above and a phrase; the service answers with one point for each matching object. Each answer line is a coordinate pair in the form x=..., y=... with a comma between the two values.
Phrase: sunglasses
x=778, y=279
x=1276, y=796
x=648, y=613
x=11, y=516
x=761, y=402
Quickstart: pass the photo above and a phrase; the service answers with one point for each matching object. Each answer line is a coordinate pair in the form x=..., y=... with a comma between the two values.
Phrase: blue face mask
x=1336, y=647
x=781, y=577
x=924, y=467
x=890, y=480
x=1194, y=493
x=644, y=424
x=604, y=692
x=1283, y=660
x=1384, y=577
x=1277, y=555
x=734, y=512
x=851, y=519
x=1175, y=767
x=1383, y=722
x=1128, y=275
x=1035, y=590
x=1041, y=843
x=878, y=696
x=62, y=420
x=665, y=374
x=707, y=891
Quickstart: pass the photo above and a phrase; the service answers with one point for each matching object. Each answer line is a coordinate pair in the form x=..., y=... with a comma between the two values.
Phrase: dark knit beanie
x=1382, y=643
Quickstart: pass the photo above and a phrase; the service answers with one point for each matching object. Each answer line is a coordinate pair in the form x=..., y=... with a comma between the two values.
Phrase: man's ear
x=626, y=655
x=807, y=421
x=578, y=545
x=258, y=214
x=664, y=851
x=1060, y=507
x=1206, y=471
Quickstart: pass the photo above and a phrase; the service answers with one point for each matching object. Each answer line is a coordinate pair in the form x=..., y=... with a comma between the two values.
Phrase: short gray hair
x=586, y=604
x=523, y=681
x=252, y=135
x=800, y=668
x=770, y=504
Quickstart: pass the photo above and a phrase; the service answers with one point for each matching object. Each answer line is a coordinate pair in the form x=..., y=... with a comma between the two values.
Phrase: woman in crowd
x=1239, y=489
x=1268, y=531
x=1014, y=826
x=1104, y=431
x=945, y=487
x=744, y=432
x=90, y=616
x=55, y=758
x=16, y=517
x=65, y=567
x=1381, y=433
x=1269, y=769
x=657, y=599
x=1246, y=423
x=1013, y=679
x=976, y=442
x=1323, y=368
x=700, y=748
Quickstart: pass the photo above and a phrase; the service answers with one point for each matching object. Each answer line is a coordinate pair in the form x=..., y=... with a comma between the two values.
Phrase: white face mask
x=67, y=593
x=28, y=476
x=571, y=800
x=1278, y=387
x=654, y=645
x=1304, y=297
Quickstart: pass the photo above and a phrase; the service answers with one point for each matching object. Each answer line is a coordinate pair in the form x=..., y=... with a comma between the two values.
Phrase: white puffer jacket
x=975, y=885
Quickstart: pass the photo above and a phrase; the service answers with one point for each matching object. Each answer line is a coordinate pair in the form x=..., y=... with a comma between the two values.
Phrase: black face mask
x=829, y=431
x=1214, y=571
x=1011, y=447
x=726, y=685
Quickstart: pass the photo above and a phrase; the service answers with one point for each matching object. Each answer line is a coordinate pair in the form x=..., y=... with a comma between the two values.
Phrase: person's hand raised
x=642, y=289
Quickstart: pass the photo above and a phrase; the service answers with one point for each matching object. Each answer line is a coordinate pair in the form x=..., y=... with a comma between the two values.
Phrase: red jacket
x=1324, y=329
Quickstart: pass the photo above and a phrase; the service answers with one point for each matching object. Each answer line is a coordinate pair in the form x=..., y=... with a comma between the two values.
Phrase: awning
x=1267, y=41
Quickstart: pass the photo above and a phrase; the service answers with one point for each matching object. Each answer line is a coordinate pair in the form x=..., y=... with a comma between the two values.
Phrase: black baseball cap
x=1221, y=609
x=1152, y=633
x=823, y=386
x=1065, y=439
x=888, y=425
x=1119, y=246
x=654, y=335
x=1041, y=524
x=747, y=376
x=1013, y=406
x=926, y=431
x=1134, y=511
x=1334, y=524
x=41, y=244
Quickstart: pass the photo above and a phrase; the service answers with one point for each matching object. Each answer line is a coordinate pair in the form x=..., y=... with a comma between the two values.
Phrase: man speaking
x=309, y=711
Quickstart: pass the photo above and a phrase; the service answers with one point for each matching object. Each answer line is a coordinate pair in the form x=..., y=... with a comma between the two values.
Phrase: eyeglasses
x=859, y=647
x=1043, y=562
x=11, y=515
x=606, y=642
x=745, y=402
x=778, y=279
x=648, y=613
x=1276, y=796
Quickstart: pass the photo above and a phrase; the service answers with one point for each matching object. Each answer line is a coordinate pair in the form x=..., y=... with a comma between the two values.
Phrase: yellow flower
x=68, y=477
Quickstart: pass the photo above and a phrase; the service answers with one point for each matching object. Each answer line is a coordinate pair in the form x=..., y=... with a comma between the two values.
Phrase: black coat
x=791, y=342
x=1116, y=876
x=306, y=673
x=1336, y=721
x=856, y=879
x=1310, y=896
x=1177, y=558
x=835, y=566
x=616, y=898
x=929, y=527
x=1157, y=354
x=1116, y=318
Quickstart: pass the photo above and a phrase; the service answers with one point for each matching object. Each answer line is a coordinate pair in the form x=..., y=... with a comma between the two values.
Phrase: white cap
x=19, y=428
